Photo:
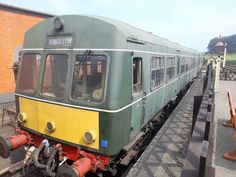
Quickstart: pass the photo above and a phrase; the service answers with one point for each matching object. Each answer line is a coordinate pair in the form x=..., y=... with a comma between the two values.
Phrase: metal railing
x=228, y=73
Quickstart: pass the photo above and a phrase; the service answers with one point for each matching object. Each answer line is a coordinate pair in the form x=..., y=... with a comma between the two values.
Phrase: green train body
x=138, y=72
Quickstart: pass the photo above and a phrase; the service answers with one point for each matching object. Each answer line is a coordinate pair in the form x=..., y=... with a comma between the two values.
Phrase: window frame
x=182, y=63
x=173, y=65
x=162, y=68
x=39, y=72
x=43, y=73
x=140, y=75
x=84, y=102
x=187, y=63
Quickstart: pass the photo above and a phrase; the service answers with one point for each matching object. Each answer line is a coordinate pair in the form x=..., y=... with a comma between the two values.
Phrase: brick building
x=14, y=22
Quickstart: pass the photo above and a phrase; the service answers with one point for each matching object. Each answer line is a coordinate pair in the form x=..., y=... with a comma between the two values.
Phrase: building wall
x=13, y=25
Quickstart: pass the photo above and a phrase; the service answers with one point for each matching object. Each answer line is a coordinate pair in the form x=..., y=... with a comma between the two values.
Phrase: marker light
x=58, y=23
x=21, y=117
x=89, y=136
x=50, y=126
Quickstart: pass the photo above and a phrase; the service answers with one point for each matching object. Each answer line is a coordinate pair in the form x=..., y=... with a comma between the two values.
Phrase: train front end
x=60, y=95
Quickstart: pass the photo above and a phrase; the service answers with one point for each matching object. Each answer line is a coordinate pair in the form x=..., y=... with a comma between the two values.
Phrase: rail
x=198, y=155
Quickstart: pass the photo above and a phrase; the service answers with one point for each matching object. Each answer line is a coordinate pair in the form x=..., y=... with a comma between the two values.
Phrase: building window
x=28, y=75
x=55, y=72
x=89, y=78
x=137, y=75
x=170, y=65
x=157, y=71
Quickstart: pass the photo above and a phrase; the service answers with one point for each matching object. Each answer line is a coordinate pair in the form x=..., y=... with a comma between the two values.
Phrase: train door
x=178, y=72
x=137, y=118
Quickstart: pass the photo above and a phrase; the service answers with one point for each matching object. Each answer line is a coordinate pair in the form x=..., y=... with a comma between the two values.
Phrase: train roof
x=136, y=34
x=113, y=28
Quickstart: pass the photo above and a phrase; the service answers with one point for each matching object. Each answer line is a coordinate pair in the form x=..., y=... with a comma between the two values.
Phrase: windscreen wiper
x=84, y=58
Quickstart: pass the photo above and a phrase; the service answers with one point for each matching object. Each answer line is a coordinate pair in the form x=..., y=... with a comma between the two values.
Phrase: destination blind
x=59, y=42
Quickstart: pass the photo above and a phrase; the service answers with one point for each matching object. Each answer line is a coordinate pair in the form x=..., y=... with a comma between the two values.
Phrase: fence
x=228, y=73
x=198, y=154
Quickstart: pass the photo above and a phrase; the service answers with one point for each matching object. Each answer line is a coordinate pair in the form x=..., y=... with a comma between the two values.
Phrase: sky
x=191, y=23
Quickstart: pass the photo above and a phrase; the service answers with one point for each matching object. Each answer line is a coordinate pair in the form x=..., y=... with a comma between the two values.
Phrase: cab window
x=89, y=78
x=55, y=72
x=29, y=72
x=137, y=75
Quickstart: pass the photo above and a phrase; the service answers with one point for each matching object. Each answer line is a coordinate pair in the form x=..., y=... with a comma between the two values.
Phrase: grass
x=230, y=58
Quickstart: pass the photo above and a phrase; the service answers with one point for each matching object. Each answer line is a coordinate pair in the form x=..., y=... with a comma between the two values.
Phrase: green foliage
x=230, y=58
x=230, y=40
x=211, y=46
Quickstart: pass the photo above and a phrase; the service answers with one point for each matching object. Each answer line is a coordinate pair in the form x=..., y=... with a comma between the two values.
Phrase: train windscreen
x=55, y=73
x=29, y=72
x=89, y=78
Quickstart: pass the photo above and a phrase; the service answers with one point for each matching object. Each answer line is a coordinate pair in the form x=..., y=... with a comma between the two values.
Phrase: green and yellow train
x=87, y=86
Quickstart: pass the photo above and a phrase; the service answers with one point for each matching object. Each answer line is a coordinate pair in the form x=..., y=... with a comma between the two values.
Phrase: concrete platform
x=6, y=98
x=224, y=140
x=165, y=155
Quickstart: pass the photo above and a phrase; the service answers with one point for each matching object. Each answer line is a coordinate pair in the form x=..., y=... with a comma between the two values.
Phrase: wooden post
x=232, y=122
x=217, y=72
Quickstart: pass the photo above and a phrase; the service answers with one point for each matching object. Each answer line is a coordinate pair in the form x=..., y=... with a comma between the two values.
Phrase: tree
x=230, y=40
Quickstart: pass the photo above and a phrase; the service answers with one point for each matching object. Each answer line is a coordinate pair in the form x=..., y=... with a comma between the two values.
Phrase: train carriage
x=88, y=85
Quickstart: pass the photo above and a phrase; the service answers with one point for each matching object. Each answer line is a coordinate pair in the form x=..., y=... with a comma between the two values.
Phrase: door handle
x=144, y=99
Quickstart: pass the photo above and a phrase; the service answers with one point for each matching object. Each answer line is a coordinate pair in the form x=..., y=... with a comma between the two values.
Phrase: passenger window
x=191, y=63
x=157, y=71
x=89, y=78
x=137, y=75
x=170, y=65
x=187, y=64
x=55, y=72
x=182, y=70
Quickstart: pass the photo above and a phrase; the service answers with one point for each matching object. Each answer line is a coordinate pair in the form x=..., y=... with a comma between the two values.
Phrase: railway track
x=231, y=68
x=13, y=171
